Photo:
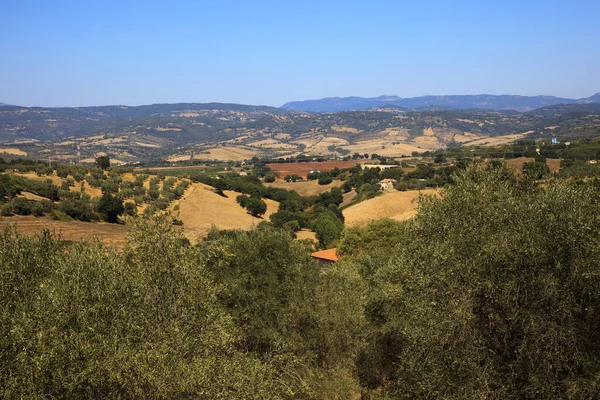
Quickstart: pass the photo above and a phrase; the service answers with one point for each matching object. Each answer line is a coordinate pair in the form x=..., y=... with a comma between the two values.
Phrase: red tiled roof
x=329, y=255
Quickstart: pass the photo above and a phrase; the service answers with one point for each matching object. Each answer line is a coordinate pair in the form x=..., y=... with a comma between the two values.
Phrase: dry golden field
x=517, y=163
x=303, y=168
x=227, y=153
x=13, y=151
x=112, y=234
x=201, y=208
x=306, y=234
x=395, y=205
x=498, y=140
x=305, y=188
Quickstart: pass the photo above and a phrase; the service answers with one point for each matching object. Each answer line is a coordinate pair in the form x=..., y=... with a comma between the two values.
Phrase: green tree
x=492, y=293
x=110, y=207
x=256, y=206
x=328, y=228
x=103, y=162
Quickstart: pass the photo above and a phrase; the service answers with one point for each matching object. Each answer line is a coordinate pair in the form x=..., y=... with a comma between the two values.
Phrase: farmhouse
x=325, y=257
x=386, y=184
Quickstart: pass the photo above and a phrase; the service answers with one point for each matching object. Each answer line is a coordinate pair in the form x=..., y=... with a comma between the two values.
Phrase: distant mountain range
x=480, y=101
x=4, y=104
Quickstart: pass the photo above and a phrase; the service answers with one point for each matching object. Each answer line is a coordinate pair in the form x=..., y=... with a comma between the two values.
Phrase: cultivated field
x=227, y=153
x=112, y=234
x=303, y=168
x=306, y=188
x=498, y=140
x=517, y=163
x=201, y=208
x=395, y=205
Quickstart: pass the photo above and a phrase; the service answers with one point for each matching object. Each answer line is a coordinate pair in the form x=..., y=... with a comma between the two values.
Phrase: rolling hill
x=481, y=101
x=191, y=131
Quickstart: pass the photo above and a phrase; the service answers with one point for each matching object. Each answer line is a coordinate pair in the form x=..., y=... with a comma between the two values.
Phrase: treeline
x=491, y=291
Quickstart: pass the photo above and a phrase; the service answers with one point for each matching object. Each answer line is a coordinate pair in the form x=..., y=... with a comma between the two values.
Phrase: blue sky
x=75, y=53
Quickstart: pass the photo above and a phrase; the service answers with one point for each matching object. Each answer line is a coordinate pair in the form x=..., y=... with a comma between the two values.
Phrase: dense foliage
x=491, y=291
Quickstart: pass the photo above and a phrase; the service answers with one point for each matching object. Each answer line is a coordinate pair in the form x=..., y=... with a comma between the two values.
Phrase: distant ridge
x=480, y=101
x=4, y=105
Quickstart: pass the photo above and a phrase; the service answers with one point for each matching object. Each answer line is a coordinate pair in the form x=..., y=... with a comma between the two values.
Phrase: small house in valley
x=386, y=184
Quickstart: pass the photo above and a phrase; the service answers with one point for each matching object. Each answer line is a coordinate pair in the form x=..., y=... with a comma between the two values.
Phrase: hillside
x=201, y=209
x=396, y=205
x=482, y=101
x=186, y=132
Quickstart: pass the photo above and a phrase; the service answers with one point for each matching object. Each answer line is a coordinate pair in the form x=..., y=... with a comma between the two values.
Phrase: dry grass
x=68, y=230
x=177, y=158
x=553, y=164
x=498, y=140
x=227, y=153
x=345, y=129
x=517, y=163
x=306, y=234
x=31, y=196
x=201, y=208
x=305, y=188
x=383, y=147
x=395, y=205
x=304, y=168
x=13, y=151
x=465, y=137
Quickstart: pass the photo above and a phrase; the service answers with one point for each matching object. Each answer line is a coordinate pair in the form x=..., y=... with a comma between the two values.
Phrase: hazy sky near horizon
x=77, y=53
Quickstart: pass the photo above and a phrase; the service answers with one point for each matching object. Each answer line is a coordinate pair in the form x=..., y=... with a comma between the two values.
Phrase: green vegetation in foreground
x=491, y=291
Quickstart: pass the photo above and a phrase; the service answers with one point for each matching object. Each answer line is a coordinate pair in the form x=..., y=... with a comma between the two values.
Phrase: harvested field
x=383, y=147
x=553, y=164
x=227, y=153
x=345, y=129
x=498, y=140
x=517, y=163
x=112, y=234
x=464, y=138
x=142, y=169
x=12, y=151
x=201, y=208
x=303, y=168
x=305, y=188
x=395, y=205
x=177, y=158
